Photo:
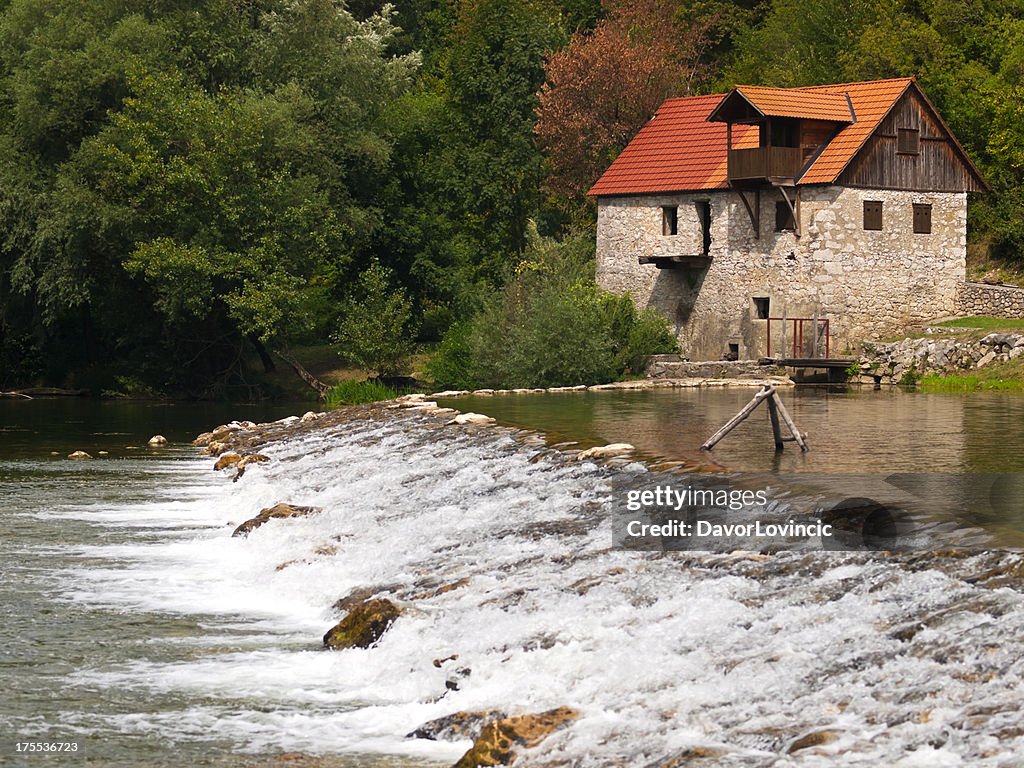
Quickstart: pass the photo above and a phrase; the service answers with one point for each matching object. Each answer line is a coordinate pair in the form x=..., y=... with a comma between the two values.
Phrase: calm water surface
x=849, y=430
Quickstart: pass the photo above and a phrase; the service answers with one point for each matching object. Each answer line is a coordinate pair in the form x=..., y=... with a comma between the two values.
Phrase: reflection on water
x=849, y=430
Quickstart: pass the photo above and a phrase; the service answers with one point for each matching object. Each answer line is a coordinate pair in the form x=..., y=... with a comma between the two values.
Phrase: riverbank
x=494, y=547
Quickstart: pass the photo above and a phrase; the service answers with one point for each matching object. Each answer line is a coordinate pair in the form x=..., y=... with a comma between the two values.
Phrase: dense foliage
x=550, y=326
x=187, y=186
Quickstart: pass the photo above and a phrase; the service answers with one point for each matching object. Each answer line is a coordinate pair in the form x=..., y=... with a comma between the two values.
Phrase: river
x=134, y=622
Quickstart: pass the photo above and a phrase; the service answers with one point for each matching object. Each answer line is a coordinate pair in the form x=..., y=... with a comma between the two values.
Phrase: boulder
x=458, y=726
x=253, y=458
x=472, y=418
x=79, y=455
x=227, y=460
x=363, y=626
x=278, y=510
x=157, y=440
x=500, y=739
x=605, y=451
x=203, y=439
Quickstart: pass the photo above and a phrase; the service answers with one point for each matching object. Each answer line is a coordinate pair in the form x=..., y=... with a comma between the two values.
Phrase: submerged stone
x=79, y=455
x=156, y=440
x=363, y=626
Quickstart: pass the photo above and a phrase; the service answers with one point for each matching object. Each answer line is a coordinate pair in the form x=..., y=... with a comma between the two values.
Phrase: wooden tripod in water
x=775, y=409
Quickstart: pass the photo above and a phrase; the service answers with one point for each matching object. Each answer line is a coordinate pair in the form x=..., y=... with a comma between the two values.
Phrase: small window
x=922, y=219
x=872, y=214
x=670, y=220
x=784, y=217
x=762, y=307
x=704, y=216
x=908, y=141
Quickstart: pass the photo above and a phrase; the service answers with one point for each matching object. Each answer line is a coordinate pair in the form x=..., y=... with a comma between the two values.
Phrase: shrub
x=376, y=329
x=550, y=326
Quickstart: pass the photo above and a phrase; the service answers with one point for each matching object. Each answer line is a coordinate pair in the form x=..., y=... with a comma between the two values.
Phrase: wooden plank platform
x=812, y=362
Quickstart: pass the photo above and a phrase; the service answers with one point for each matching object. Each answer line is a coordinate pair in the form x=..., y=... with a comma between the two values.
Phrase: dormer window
x=908, y=141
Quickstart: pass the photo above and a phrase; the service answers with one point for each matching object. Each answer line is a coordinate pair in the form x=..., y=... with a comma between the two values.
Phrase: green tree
x=376, y=328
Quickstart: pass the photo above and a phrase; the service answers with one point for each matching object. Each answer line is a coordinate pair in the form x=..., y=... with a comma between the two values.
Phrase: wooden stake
x=730, y=425
x=773, y=414
x=797, y=437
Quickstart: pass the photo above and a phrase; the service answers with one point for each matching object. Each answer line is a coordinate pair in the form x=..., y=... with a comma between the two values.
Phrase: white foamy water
x=737, y=656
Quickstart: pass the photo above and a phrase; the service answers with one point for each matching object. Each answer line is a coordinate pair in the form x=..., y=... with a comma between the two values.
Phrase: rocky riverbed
x=467, y=573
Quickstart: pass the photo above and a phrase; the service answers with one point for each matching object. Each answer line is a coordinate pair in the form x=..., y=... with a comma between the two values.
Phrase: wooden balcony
x=764, y=163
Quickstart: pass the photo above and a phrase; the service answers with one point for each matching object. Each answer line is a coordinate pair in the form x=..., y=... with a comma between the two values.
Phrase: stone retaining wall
x=980, y=299
x=901, y=362
x=674, y=367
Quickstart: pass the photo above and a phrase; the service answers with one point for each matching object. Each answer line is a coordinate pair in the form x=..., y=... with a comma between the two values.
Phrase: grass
x=998, y=377
x=984, y=323
x=352, y=392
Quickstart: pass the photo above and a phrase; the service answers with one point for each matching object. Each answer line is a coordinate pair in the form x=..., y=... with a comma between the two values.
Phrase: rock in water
x=457, y=726
x=227, y=460
x=363, y=626
x=472, y=418
x=605, y=451
x=253, y=458
x=158, y=440
x=278, y=510
x=499, y=739
x=79, y=455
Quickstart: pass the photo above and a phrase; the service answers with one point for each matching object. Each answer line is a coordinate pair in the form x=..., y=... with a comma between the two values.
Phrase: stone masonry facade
x=869, y=284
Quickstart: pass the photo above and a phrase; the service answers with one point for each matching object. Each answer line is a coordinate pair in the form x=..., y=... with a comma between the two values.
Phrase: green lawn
x=985, y=323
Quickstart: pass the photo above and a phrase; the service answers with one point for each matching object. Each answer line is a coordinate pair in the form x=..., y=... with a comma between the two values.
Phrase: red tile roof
x=679, y=150
x=796, y=102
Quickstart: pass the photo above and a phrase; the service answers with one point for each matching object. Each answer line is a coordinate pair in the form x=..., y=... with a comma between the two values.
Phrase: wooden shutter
x=872, y=214
x=922, y=218
x=908, y=141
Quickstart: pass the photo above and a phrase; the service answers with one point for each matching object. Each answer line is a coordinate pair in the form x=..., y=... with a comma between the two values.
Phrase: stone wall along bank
x=981, y=299
x=901, y=362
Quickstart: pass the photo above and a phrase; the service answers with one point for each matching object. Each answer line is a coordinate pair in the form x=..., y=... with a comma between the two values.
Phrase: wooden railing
x=764, y=162
x=802, y=337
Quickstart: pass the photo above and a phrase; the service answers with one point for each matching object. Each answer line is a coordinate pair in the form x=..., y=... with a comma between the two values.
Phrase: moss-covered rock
x=500, y=739
x=363, y=626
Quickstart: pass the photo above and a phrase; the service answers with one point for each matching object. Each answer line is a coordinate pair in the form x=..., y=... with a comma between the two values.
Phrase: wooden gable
x=888, y=160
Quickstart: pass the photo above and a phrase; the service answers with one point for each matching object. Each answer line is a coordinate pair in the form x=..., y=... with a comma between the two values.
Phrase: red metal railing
x=806, y=341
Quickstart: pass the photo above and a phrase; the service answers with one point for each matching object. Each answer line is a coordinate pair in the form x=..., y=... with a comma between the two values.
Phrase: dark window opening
x=922, y=219
x=872, y=214
x=733, y=353
x=908, y=141
x=762, y=307
x=704, y=216
x=784, y=217
x=780, y=132
x=670, y=220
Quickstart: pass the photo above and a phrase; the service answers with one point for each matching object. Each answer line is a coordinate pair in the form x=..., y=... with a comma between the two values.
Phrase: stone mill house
x=791, y=222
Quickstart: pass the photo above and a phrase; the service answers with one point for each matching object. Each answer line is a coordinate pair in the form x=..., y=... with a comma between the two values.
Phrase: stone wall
x=900, y=362
x=991, y=300
x=674, y=367
x=868, y=284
